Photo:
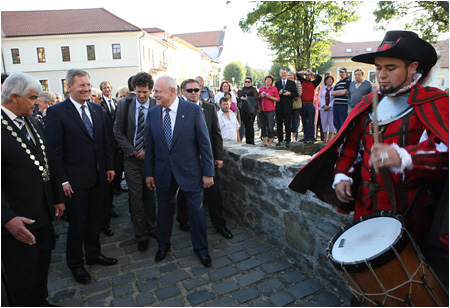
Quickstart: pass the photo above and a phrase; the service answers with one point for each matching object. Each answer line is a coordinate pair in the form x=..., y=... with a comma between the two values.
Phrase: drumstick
x=375, y=116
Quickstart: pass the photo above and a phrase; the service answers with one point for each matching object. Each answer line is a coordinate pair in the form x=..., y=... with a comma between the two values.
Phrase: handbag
x=297, y=103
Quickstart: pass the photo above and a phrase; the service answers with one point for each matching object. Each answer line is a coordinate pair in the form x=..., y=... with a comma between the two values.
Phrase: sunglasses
x=247, y=81
x=196, y=90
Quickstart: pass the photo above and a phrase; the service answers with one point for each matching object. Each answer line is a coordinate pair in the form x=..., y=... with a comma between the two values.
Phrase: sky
x=181, y=16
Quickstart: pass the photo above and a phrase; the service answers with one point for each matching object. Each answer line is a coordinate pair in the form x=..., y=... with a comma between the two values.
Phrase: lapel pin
x=182, y=116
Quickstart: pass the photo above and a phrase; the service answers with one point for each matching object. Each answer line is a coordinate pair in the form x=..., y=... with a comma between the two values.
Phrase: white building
x=51, y=42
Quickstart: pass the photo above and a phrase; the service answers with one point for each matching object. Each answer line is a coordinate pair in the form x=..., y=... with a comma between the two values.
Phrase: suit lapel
x=73, y=113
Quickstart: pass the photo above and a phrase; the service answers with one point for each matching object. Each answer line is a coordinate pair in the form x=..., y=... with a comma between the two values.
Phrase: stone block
x=95, y=286
x=270, y=287
x=98, y=300
x=281, y=299
x=293, y=277
x=249, y=278
x=327, y=299
x=248, y=264
x=167, y=292
x=123, y=290
x=173, y=277
x=125, y=278
x=145, y=299
x=276, y=266
x=194, y=283
x=305, y=288
x=147, y=284
x=200, y=297
x=222, y=302
x=123, y=302
x=246, y=295
x=225, y=287
x=222, y=273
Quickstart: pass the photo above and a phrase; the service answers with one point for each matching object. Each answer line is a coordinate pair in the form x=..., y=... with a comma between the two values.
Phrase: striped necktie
x=168, y=128
x=87, y=122
x=139, y=143
x=22, y=127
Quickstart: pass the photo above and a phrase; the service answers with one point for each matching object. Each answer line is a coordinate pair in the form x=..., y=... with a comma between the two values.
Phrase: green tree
x=236, y=70
x=299, y=31
x=429, y=18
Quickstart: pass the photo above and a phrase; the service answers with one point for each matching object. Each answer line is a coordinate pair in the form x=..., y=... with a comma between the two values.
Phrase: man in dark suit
x=78, y=142
x=283, y=109
x=178, y=155
x=108, y=102
x=190, y=89
x=130, y=132
x=31, y=195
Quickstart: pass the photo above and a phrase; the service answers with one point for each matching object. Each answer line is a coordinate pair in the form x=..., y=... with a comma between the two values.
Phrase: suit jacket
x=126, y=140
x=285, y=103
x=78, y=158
x=190, y=157
x=24, y=193
x=111, y=115
x=215, y=136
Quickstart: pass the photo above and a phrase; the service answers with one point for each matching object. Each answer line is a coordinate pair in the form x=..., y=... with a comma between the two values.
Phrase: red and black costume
x=417, y=190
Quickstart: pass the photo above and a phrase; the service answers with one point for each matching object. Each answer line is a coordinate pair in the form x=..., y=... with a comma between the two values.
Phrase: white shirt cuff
x=339, y=177
x=404, y=157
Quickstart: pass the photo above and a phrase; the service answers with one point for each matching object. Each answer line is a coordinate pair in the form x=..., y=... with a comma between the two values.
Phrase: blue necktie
x=87, y=122
x=140, y=131
x=168, y=128
x=284, y=84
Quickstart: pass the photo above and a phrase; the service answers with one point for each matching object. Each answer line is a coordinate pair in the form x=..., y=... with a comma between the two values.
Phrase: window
x=369, y=49
x=441, y=80
x=65, y=51
x=44, y=84
x=63, y=86
x=15, y=55
x=348, y=50
x=90, y=52
x=41, y=54
x=350, y=75
x=116, y=51
x=372, y=77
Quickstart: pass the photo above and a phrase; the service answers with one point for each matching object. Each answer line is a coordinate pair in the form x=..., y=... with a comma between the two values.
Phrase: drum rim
x=356, y=267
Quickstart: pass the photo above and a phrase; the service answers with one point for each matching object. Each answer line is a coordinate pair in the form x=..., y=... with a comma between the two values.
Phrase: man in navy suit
x=283, y=111
x=178, y=155
x=78, y=141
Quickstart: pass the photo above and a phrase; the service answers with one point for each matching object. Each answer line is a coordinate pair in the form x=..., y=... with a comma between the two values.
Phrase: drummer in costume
x=413, y=127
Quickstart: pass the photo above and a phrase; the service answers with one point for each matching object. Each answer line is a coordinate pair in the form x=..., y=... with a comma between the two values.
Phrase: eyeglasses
x=247, y=81
x=196, y=90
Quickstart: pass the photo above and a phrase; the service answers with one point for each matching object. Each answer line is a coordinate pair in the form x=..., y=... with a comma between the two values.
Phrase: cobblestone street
x=245, y=272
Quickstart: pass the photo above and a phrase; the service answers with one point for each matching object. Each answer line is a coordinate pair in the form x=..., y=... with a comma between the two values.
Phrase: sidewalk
x=245, y=272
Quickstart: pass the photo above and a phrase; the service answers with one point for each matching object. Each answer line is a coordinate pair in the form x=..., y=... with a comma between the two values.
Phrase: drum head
x=366, y=239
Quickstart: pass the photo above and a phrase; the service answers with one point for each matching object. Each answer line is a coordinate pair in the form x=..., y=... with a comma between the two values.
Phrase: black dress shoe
x=206, y=260
x=81, y=275
x=160, y=255
x=278, y=144
x=114, y=214
x=102, y=260
x=108, y=231
x=184, y=225
x=225, y=233
x=143, y=245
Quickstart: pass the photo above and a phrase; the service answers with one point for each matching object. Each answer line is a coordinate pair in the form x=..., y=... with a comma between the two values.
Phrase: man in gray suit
x=129, y=130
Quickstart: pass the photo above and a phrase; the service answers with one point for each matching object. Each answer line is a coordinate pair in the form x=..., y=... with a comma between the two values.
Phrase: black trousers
x=26, y=266
x=248, y=120
x=214, y=201
x=108, y=203
x=287, y=119
x=85, y=211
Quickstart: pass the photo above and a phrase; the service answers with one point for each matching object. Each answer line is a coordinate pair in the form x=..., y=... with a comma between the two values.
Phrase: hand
x=110, y=175
x=150, y=181
x=208, y=181
x=383, y=155
x=218, y=163
x=326, y=107
x=16, y=227
x=287, y=93
x=68, y=191
x=140, y=155
x=59, y=210
x=243, y=98
x=344, y=191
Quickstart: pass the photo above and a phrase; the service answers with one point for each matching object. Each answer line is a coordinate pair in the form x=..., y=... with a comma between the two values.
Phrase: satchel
x=297, y=104
x=251, y=105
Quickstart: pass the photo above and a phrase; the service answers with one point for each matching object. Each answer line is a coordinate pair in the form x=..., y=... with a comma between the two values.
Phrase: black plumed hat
x=403, y=45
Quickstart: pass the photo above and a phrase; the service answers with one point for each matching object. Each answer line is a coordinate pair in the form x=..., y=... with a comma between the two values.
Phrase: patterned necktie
x=139, y=144
x=87, y=122
x=327, y=96
x=22, y=127
x=168, y=128
x=284, y=84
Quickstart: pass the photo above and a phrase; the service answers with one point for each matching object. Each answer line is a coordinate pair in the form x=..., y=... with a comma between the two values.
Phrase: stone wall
x=254, y=184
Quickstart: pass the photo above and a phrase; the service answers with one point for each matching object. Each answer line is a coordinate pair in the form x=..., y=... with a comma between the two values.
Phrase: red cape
x=431, y=105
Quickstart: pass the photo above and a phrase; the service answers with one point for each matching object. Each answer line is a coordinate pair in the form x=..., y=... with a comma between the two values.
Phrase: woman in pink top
x=268, y=96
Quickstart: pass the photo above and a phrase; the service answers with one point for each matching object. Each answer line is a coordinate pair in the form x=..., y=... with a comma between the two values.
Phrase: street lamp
x=232, y=79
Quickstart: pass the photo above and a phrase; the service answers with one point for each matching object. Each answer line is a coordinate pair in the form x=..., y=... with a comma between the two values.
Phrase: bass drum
x=382, y=265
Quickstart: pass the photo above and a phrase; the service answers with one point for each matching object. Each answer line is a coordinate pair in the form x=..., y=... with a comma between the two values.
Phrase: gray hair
x=48, y=97
x=20, y=84
x=170, y=82
x=75, y=72
x=104, y=83
x=96, y=91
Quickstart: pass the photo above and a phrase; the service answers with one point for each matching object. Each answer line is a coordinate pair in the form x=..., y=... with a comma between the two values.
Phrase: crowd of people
x=67, y=157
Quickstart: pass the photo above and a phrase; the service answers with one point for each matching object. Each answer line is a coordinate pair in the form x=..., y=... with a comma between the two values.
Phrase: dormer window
x=369, y=49
x=348, y=50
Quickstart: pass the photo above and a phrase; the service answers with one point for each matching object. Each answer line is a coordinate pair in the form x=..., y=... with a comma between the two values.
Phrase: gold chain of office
x=44, y=170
